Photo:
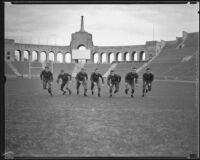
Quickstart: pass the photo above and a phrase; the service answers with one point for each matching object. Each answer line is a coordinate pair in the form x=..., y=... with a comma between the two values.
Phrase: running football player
x=113, y=80
x=131, y=80
x=66, y=78
x=47, y=78
x=148, y=78
x=95, y=81
x=81, y=79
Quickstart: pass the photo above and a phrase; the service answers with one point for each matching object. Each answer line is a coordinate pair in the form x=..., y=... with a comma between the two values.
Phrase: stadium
x=164, y=123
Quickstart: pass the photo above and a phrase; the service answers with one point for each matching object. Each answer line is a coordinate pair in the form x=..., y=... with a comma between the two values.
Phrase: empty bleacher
x=68, y=68
x=91, y=67
x=169, y=63
x=123, y=68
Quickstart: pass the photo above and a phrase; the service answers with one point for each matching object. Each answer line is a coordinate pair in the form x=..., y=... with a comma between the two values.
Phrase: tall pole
x=82, y=24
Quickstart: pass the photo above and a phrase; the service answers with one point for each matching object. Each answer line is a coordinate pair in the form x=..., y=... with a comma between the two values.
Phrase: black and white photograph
x=101, y=80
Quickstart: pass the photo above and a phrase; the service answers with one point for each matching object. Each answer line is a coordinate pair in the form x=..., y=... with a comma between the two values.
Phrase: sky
x=110, y=25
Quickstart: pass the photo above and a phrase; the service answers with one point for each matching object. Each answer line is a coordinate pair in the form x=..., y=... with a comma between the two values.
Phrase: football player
x=95, y=80
x=148, y=78
x=113, y=80
x=81, y=79
x=131, y=80
x=47, y=78
x=66, y=78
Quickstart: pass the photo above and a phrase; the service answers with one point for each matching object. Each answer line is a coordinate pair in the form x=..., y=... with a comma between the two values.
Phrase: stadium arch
x=142, y=56
x=103, y=58
x=81, y=47
x=43, y=56
x=95, y=57
x=35, y=57
x=118, y=56
x=26, y=55
x=134, y=56
x=67, y=57
x=126, y=56
x=111, y=57
x=59, y=57
x=51, y=56
x=18, y=55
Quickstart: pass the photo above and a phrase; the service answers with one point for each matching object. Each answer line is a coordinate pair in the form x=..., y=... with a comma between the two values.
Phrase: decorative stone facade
x=99, y=54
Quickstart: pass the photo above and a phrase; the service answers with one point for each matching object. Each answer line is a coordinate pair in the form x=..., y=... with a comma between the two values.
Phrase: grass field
x=164, y=123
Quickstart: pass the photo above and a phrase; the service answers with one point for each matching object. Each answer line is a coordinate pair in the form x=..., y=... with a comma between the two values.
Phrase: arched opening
x=26, y=56
x=34, y=56
x=96, y=57
x=67, y=58
x=43, y=57
x=81, y=47
x=134, y=56
x=17, y=55
x=103, y=58
x=60, y=58
x=142, y=56
x=111, y=57
x=126, y=56
x=51, y=57
x=119, y=56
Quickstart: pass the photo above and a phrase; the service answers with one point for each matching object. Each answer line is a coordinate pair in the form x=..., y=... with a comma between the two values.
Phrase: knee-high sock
x=110, y=91
x=99, y=90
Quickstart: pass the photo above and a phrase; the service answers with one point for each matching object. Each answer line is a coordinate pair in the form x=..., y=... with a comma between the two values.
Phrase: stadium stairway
x=113, y=66
x=8, y=71
x=13, y=68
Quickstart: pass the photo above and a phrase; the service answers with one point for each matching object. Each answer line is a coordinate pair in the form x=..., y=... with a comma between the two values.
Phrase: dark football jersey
x=46, y=75
x=81, y=76
x=64, y=77
x=114, y=78
x=148, y=77
x=130, y=77
x=95, y=77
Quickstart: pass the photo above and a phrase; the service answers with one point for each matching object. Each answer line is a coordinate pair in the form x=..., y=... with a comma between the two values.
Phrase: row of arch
x=35, y=56
x=109, y=58
x=66, y=58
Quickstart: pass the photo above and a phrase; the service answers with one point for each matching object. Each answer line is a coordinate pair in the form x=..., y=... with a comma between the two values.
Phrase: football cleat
x=64, y=92
x=142, y=95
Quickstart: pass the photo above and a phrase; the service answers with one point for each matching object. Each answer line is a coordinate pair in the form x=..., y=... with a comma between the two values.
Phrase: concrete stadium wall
x=150, y=49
